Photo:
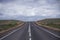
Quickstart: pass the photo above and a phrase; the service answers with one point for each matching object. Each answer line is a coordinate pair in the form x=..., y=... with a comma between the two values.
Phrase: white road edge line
x=29, y=30
x=9, y=34
x=49, y=32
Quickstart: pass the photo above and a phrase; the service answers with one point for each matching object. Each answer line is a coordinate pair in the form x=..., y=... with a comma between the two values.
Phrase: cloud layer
x=29, y=9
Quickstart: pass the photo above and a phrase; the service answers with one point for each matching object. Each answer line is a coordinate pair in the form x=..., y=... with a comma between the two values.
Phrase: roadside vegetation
x=55, y=22
x=6, y=24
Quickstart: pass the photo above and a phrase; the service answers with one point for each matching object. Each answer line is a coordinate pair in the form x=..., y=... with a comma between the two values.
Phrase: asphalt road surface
x=31, y=31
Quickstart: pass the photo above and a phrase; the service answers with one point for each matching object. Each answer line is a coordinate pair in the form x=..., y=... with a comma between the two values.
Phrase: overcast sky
x=29, y=9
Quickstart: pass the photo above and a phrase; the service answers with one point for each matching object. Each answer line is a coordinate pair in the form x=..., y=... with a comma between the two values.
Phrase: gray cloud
x=29, y=9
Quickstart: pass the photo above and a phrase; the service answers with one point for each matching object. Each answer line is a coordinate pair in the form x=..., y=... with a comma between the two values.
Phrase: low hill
x=52, y=22
x=6, y=24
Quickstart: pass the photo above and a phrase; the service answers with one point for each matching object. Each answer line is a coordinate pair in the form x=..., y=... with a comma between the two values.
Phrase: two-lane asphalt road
x=31, y=31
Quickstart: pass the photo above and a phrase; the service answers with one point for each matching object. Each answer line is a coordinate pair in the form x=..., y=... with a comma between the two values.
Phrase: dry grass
x=55, y=23
x=6, y=24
